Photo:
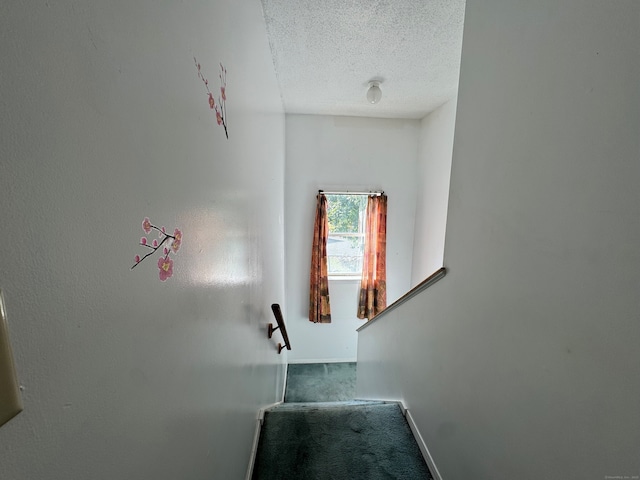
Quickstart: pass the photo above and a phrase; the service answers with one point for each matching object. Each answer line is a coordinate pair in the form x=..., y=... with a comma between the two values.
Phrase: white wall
x=524, y=362
x=344, y=153
x=434, y=171
x=105, y=122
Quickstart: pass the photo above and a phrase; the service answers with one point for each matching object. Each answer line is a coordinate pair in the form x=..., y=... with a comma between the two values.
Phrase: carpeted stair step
x=338, y=441
x=305, y=406
x=321, y=382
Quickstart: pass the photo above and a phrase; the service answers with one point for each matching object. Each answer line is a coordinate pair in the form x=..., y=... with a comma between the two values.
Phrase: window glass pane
x=345, y=245
x=344, y=254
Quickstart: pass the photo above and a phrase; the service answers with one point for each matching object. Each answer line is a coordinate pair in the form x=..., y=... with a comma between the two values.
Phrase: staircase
x=320, y=432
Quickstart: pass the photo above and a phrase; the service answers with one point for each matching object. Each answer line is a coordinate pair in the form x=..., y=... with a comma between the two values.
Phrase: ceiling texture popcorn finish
x=325, y=53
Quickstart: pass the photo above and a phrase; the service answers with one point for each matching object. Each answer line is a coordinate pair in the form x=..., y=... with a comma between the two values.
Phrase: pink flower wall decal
x=220, y=107
x=165, y=266
x=146, y=225
x=170, y=244
x=177, y=240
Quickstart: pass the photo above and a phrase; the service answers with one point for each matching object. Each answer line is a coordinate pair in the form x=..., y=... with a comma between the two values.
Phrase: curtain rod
x=376, y=193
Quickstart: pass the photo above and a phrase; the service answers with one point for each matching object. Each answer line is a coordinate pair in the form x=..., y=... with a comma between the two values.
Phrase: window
x=345, y=244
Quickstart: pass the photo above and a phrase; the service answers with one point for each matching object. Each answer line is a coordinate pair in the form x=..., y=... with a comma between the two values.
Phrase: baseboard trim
x=264, y=409
x=256, y=438
x=423, y=446
x=284, y=383
x=254, y=449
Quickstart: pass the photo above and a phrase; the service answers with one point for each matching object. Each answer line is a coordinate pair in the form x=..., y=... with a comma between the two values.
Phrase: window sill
x=344, y=278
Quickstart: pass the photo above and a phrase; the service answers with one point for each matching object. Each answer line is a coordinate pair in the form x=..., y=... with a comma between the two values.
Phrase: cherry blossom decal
x=220, y=107
x=170, y=244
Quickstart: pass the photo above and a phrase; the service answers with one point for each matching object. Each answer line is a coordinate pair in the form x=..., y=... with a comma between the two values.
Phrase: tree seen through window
x=345, y=244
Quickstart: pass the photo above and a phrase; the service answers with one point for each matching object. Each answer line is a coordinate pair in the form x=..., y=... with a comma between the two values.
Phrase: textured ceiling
x=326, y=51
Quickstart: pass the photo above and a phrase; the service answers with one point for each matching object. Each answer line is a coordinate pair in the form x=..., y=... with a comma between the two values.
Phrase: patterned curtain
x=319, y=309
x=373, y=287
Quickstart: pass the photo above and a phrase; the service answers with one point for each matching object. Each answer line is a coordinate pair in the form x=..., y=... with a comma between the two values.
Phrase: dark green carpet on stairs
x=338, y=442
x=321, y=433
x=320, y=382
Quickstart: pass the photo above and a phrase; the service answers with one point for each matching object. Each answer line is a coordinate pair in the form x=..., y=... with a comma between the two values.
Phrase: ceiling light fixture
x=374, y=94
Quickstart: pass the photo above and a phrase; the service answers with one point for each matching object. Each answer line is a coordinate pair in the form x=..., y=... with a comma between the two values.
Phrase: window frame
x=348, y=276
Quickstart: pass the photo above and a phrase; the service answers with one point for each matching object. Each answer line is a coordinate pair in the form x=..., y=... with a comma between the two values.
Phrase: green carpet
x=321, y=433
x=320, y=382
x=369, y=441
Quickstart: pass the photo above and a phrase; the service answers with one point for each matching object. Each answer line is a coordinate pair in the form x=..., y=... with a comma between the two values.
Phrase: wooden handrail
x=283, y=330
x=427, y=282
